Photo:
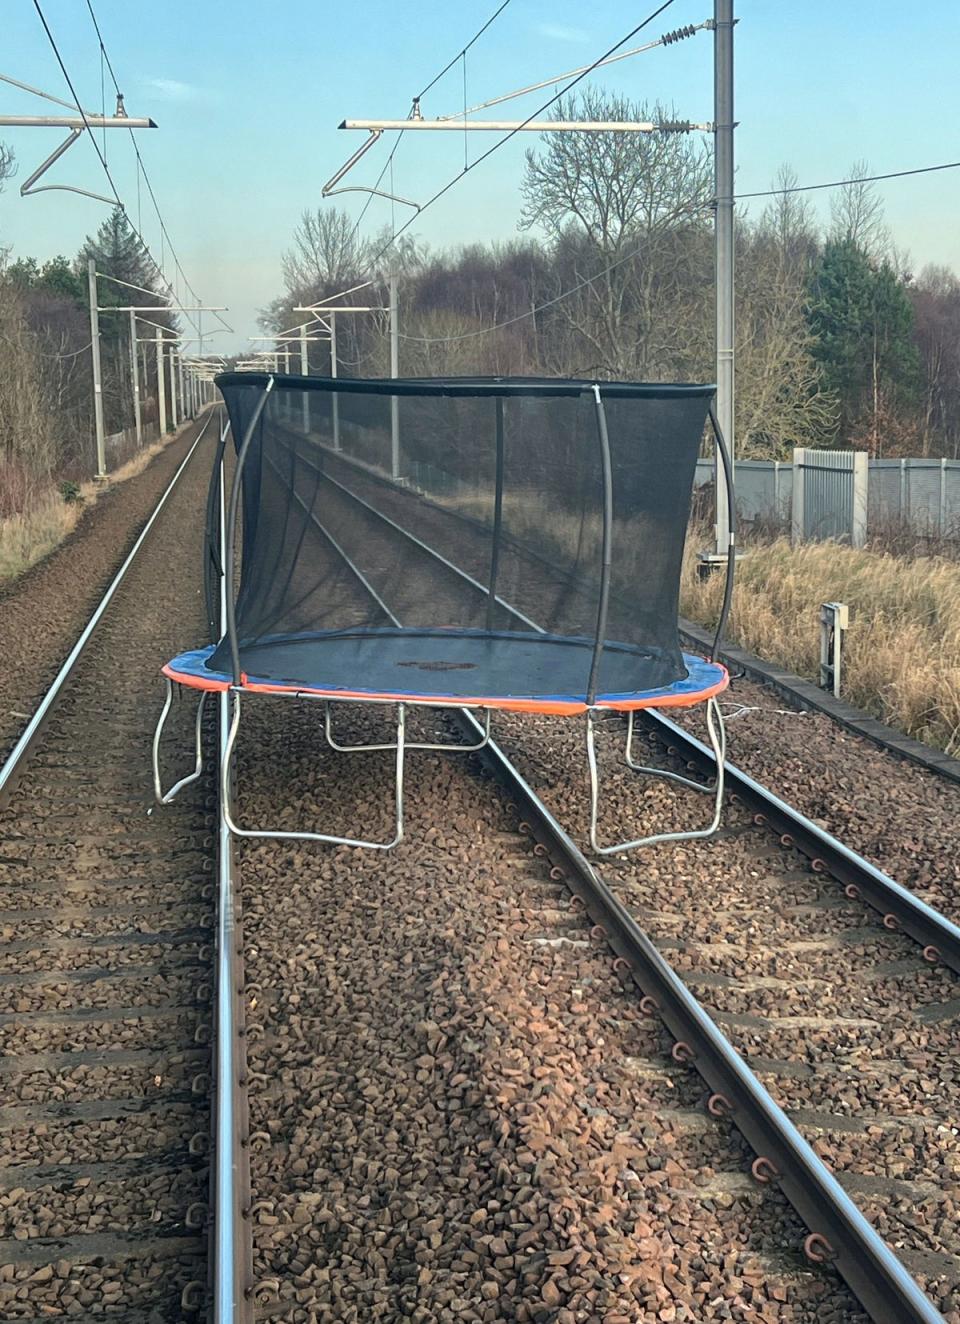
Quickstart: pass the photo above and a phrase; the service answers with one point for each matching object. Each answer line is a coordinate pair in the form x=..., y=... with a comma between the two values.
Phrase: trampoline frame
x=714, y=717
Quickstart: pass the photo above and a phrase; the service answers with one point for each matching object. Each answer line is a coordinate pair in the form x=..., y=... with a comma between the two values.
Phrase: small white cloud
x=172, y=90
x=559, y=32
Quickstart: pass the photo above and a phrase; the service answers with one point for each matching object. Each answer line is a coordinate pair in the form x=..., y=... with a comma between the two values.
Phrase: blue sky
x=248, y=97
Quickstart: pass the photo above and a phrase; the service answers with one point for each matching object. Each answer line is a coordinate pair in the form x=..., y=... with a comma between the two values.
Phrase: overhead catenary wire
x=588, y=69
x=96, y=146
x=142, y=170
x=460, y=54
x=388, y=165
x=137, y=229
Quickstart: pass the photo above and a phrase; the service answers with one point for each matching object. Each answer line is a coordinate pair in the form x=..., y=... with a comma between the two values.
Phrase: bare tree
x=8, y=167
x=856, y=213
x=327, y=255
x=625, y=213
x=936, y=305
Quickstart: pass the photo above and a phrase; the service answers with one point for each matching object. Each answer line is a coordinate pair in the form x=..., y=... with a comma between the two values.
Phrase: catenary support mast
x=723, y=190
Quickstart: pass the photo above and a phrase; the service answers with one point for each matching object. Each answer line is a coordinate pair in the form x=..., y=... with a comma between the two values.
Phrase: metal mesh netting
x=448, y=525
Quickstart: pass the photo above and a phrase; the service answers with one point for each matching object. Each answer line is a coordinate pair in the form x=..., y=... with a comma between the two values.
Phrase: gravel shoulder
x=43, y=611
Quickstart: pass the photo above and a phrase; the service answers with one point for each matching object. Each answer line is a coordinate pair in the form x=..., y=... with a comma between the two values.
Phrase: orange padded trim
x=553, y=707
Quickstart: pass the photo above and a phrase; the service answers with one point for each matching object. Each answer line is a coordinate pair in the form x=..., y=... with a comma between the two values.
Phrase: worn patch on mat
x=439, y=665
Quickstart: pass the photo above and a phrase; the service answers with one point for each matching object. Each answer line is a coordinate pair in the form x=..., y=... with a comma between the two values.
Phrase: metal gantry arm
x=78, y=122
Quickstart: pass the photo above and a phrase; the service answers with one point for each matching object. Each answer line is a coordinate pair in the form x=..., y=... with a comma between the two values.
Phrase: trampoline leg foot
x=164, y=797
x=718, y=744
x=226, y=789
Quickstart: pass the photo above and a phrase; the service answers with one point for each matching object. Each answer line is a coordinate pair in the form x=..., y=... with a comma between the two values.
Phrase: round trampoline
x=512, y=672
x=502, y=544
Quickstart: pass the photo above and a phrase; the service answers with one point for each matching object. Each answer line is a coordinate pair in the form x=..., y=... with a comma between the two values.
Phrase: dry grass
x=902, y=654
x=46, y=519
x=32, y=534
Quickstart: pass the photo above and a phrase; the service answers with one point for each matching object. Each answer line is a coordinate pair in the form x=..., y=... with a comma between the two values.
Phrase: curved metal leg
x=708, y=788
x=165, y=798
x=227, y=799
x=718, y=743
x=352, y=749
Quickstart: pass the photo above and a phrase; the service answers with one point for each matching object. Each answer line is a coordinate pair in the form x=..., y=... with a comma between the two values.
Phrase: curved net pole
x=497, y=517
x=724, y=454
x=606, y=552
x=232, y=530
x=212, y=569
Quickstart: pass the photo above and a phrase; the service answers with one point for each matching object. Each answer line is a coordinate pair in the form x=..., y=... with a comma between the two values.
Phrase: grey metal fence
x=918, y=496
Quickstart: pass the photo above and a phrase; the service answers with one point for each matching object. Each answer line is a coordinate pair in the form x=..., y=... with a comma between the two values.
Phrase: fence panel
x=829, y=496
x=836, y=499
x=763, y=490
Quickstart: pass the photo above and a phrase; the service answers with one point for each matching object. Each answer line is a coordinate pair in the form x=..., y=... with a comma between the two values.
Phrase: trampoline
x=496, y=544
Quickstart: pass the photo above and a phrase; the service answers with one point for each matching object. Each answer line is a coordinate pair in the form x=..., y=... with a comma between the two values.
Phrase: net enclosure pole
x=135, y=378
x=97, y=371
x=606, y=547
x=723, y=197
x=228, y=558
x=394, y=372
x=497, y=517
x=335, y=403
x=161, y=387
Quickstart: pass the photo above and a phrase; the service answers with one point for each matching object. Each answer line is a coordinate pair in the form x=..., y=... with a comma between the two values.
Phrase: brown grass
x=902, y=651
x=46, y=519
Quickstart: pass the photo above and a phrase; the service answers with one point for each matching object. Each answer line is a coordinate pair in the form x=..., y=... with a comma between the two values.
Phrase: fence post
x=796, y=497
x=858, y=511
x=942, y=519
x=902, y=512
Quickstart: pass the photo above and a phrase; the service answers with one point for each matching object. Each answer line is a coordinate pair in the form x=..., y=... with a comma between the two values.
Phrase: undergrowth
x=902, y=651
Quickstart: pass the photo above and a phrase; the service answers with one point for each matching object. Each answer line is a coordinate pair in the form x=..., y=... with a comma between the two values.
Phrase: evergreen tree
x=117, y=252
x=862, y=322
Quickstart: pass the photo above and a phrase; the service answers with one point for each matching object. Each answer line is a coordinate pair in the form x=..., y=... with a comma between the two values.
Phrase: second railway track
x=846, y=1022
x=105, y=907
x=459, y=1109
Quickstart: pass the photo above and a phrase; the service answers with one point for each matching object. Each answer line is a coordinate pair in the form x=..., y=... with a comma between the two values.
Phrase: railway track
x=458, y=1108
x=105, y=910
x=864, y=1067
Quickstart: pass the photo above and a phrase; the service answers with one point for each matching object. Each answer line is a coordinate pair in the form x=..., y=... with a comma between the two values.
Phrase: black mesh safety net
x=462, y=536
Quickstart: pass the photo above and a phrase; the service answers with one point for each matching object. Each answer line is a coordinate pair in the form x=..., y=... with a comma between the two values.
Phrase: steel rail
x=901, y=909
x=839, y=1231
x=232, y=1236
x=872, y=1271
x=17, y=758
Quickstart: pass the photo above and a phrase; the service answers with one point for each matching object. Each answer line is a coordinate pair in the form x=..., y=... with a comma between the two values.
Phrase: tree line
x=46, y=376
x=839, y=343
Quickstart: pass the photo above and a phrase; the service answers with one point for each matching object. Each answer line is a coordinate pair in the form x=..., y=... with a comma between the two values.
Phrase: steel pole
x=394, y=372
x=161, y=388
x=723, y=191
x=97, y=373
x=333, y=373
x=172, y=360
x=304, y=372
x=181, y=385
x=135, y=378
